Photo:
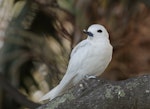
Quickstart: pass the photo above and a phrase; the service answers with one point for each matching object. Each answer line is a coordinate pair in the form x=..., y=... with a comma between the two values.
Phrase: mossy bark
x=96, y=93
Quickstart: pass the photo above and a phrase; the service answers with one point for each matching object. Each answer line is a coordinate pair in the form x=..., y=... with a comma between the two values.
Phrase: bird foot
x=89, y=77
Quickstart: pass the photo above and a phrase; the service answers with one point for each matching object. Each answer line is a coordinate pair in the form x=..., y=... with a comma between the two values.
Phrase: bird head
x=96, y=31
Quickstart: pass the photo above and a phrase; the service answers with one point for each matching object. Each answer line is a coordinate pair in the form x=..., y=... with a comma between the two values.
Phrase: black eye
x=100, y=31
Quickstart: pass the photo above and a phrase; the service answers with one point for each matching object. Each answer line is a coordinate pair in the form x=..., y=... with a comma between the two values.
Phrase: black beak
x=88, y=33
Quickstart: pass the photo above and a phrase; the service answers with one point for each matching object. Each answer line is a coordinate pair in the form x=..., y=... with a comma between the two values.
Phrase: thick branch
x=133, y=93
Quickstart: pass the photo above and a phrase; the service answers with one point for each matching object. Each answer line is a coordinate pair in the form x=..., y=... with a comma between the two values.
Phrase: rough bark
x=96, y=93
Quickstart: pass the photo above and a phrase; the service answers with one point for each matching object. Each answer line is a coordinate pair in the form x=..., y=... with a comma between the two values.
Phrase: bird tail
x=64, y=85
x=52, y=94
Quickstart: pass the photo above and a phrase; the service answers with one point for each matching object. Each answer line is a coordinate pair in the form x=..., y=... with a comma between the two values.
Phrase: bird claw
x=84, y=81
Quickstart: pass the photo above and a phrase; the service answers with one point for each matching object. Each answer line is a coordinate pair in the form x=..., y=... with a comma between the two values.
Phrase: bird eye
x=99, y=31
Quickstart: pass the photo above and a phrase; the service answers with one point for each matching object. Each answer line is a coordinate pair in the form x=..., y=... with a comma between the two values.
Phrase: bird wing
x=73, y=68
x=76, y=58
x=79, y=47
x=78, y=55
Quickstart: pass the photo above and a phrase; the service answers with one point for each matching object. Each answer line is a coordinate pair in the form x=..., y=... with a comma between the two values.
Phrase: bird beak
x=88, y=33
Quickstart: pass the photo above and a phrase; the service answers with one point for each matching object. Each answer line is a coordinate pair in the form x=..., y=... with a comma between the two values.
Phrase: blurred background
x=37, y=36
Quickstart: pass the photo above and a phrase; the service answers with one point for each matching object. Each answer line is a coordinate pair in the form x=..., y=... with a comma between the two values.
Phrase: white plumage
x=89, y=57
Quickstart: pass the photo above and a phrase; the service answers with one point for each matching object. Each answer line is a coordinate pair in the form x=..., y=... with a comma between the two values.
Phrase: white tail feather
x=64, y=85
x=52, y=94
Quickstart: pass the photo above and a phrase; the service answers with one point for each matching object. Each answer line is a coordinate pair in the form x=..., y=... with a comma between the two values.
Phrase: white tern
x=90, y=57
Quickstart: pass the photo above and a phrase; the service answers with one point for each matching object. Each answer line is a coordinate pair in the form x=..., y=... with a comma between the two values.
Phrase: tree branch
x=132, y=93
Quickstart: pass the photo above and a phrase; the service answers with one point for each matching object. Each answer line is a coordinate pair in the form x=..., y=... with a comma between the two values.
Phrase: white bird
x=90, y=57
